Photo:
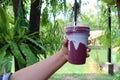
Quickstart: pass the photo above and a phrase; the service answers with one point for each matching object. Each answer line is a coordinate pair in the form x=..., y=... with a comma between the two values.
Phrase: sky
x=86, y=4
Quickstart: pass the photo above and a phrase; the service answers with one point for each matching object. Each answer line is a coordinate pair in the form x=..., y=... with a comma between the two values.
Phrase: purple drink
x=78, y=37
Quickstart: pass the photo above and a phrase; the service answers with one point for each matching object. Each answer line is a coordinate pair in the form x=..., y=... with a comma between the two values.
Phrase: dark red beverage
x=78, y=37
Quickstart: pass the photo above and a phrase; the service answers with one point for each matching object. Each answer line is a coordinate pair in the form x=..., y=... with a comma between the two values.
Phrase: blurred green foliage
x=17, y=43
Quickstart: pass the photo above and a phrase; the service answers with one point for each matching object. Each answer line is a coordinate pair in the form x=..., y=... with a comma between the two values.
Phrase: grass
x=81, y=77
x=88, y=71
x=92, y=61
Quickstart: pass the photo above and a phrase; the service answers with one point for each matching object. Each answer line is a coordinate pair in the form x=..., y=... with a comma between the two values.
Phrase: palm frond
x=3, y=53
x=35, y=43
x=5, y=31
x=30, y=57
x=16, y=52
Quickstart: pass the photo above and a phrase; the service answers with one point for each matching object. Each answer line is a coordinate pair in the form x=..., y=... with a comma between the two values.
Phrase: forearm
x=41, y=70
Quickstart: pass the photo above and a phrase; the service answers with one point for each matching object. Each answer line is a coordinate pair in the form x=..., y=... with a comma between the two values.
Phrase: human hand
x=64, y=49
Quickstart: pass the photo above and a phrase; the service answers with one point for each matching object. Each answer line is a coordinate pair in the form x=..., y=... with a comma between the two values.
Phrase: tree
x=15, y=8
x=17, y=34
x=35, y=13
x=118, y=9
x=18, y=39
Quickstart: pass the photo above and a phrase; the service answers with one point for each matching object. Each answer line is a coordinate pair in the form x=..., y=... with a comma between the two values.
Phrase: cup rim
x=77, y=28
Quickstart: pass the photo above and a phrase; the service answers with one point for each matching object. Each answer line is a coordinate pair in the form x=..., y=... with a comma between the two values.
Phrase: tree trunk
x=118, y=8
x=15, y=8
x=35, y=16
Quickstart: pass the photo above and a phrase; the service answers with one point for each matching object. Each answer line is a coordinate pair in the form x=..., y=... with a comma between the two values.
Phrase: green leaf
x=110, y=2
x=45, y=15
x=8, y=62
x=30, y=57
x=3, y=50
x=2, y=55
x=3, y=16
x=32, y=1
x=117, y=43
x=5, y=30
x=21, y=31
x=3, y=23
x=18, y=55
x=34, y=42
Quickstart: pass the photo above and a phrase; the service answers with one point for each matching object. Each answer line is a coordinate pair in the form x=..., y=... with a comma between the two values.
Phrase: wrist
x=64, y=56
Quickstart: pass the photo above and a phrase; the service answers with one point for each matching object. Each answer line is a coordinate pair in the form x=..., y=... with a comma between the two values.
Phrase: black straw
x=75, y=12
